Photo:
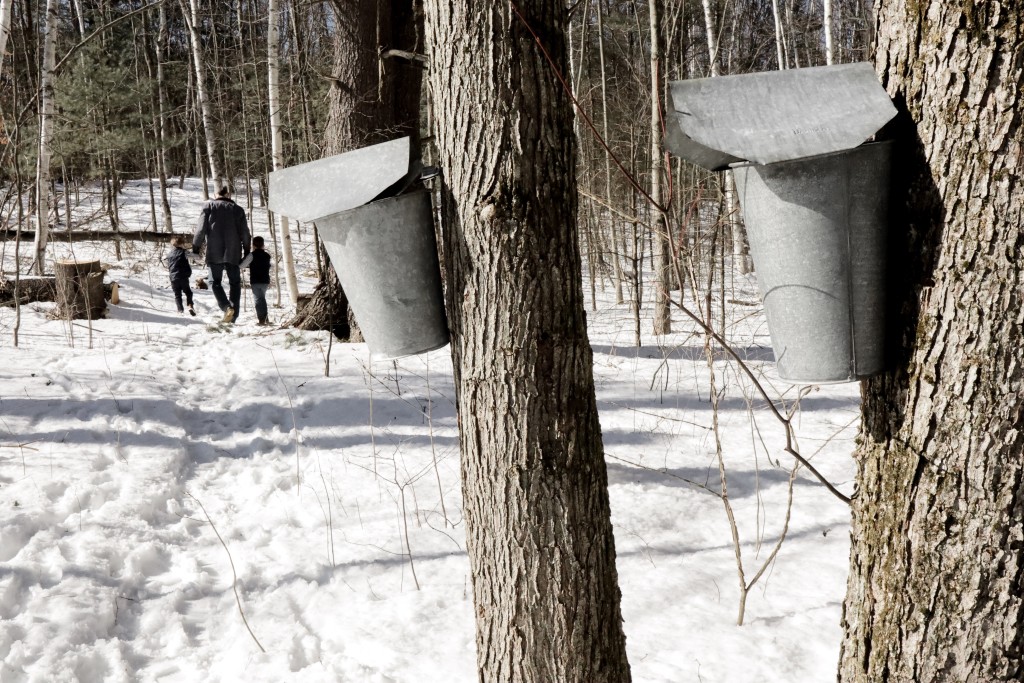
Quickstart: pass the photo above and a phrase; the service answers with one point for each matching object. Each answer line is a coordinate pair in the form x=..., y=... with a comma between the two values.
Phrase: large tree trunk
x=535, y=492
x=370, y=101
x=936, y=585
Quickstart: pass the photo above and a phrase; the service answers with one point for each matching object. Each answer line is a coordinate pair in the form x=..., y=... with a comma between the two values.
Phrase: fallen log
x=31, y=288
x=94, y=235
x=36, y=288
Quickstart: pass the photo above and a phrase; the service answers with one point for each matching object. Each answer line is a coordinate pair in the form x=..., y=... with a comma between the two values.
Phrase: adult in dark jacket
x=222, y=226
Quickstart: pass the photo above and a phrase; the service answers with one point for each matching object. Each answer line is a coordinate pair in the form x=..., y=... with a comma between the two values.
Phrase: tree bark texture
x=936, y=584
x=372, y=100
x=535, y=490
x=663, y=274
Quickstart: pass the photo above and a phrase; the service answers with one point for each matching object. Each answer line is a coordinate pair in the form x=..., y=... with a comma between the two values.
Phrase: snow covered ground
x=185, y=502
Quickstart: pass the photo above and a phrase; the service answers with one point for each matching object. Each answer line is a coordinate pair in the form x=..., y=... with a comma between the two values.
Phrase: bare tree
x=276, y=138
x=780, y=36
x=662, y=300
x=46, y=111
x=5, y=28
x=827, y=23
x=534, y=479
x=935, y=589
x=191, y=14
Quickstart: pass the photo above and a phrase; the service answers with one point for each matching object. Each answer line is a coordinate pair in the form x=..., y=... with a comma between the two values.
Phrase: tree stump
x=327, y=309
x=79, y=290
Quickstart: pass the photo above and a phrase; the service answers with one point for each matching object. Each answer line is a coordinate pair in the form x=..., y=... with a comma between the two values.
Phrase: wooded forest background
x=130, y=81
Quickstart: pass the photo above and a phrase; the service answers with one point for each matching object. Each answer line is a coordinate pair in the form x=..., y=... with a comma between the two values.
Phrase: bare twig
x=234, y=574
x=665, y=472
x=295, y=426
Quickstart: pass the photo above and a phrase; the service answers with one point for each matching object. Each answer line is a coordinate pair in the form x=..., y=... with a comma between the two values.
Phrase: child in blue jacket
x=179, y=269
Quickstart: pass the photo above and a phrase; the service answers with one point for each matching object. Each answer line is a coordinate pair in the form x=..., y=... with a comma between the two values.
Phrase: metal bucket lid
x=776, y=115
x=338, y=183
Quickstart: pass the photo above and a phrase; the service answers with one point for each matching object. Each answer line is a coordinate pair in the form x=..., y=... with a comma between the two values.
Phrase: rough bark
x=327, y=309
x=535, y=492
x=663, y=275
x=936, y=584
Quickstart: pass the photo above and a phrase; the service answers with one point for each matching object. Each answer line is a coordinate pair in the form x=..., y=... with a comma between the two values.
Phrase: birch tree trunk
x=740, y=251
x=5, y=29
x=827, y=24
x=662, y=300
x=709, y=27
x=191, y=15
x=276, y=138
x=935, y=590
x=45, y=132
x=161, y=89
x=616, y=257
x=780, y=39
x=538, y=526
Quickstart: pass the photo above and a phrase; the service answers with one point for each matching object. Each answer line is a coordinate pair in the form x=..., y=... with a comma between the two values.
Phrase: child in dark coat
x=179, y=269
x=259, y=279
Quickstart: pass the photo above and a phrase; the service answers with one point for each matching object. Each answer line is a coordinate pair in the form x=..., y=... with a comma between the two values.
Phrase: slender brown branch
x=666, y=473
x=234, y=574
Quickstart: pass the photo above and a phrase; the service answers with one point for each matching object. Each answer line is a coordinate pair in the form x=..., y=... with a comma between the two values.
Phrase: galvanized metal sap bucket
x=814, y=201
x=380, y=241
x=817, y=236
x=386, y=258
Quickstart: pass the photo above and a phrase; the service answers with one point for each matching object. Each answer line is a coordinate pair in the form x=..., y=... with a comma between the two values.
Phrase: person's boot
x=229, y=315
x=191, y=310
